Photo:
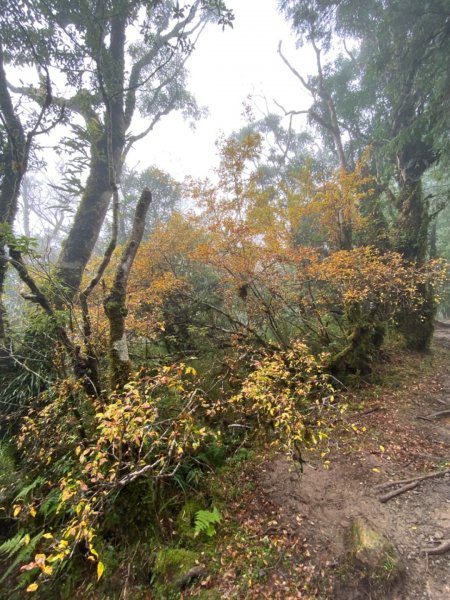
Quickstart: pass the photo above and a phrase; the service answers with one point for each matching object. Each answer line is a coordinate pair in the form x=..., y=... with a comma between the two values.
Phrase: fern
x=22, y=546
x=206, y=521
x=10, y=546
x=29, y=488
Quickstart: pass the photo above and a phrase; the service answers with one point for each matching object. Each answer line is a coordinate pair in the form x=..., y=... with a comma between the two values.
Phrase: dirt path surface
x=397, y=443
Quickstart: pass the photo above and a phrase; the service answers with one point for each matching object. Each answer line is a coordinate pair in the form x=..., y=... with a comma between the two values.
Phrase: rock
x=174, y=568
x=372, y=567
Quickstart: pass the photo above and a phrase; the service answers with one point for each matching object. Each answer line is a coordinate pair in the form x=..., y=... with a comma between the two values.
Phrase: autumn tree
x=387, y=87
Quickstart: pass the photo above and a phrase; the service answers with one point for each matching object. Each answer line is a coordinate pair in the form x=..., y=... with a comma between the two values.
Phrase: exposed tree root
x=441, y=549
x=405, y=488
x=406, y=484
x=436, y=415
x=440, y=473
x=364, y=413
x=194, y=573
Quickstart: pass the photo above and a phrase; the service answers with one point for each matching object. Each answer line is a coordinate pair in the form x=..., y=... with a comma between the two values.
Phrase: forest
x=179, y=358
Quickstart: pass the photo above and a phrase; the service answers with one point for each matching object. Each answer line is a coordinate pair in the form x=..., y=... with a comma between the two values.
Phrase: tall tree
x=118, y=56
x=21, y=28
x=389, y=86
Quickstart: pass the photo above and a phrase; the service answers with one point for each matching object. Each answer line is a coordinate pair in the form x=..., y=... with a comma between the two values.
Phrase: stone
x=372, y=566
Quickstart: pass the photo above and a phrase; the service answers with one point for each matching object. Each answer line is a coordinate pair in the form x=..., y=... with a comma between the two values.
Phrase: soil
x=305, y=517
x=321, y=503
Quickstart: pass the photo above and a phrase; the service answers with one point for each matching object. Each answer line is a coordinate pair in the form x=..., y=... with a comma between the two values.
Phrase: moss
x=186, y=519
x=369, y=547
x=372, y=565
x=169, y=571
x=8, y=474
x=417, y=326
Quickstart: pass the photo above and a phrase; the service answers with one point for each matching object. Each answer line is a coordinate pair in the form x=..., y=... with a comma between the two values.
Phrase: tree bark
x=115, y=302
x=412, y=228
x=13, y=168
x=80, y=242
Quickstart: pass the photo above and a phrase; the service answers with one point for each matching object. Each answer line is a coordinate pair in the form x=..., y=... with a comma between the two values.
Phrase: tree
x=112, y=74
x=20, y=27
x=387, y=87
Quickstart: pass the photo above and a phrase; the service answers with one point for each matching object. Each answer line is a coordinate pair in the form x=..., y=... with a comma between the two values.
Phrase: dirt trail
x=320, y=504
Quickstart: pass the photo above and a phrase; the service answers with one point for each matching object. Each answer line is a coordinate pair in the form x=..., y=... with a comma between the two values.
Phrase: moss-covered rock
x=372, y=567
x=171, y=571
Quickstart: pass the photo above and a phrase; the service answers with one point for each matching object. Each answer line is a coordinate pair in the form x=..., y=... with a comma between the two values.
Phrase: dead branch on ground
x=397, y=492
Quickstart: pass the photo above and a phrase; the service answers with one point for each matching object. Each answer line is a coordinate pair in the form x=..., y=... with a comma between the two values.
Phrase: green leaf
x=206, y=521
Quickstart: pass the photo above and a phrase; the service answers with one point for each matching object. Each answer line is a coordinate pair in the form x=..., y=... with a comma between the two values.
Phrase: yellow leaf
x=32, y=587
x=382, y=448
x=17, y=509
x=26, y=539
x=39, y=559
x=33, y=511
x=100, y=569
x=375, y=470
x=47, y=536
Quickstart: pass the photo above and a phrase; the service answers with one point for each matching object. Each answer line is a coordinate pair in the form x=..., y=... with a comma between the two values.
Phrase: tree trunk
x=412, y=222
x=115, y=303
x=412, y=228
x=79, y=245
x=15, y=156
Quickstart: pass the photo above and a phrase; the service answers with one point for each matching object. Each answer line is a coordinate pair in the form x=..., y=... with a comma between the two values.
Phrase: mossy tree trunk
x=412, y=240
x=366, y=336
x=115, y=303
x=15, y=151
x=89, y=218
x=96, y=197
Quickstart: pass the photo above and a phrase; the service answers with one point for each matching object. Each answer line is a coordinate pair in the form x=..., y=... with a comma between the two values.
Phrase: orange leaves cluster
x=263, y=247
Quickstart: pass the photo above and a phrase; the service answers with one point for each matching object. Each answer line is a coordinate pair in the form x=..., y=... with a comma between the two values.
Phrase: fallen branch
x=440, y=473
x=444, y=402
x=441, y=549
x=402, y=490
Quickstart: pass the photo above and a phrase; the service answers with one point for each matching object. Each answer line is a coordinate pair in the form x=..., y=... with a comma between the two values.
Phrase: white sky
x=225, y=68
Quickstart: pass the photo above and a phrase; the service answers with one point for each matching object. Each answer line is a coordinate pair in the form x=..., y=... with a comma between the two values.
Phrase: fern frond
x=206, y=521
x=29, y=488
x=22, y=547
